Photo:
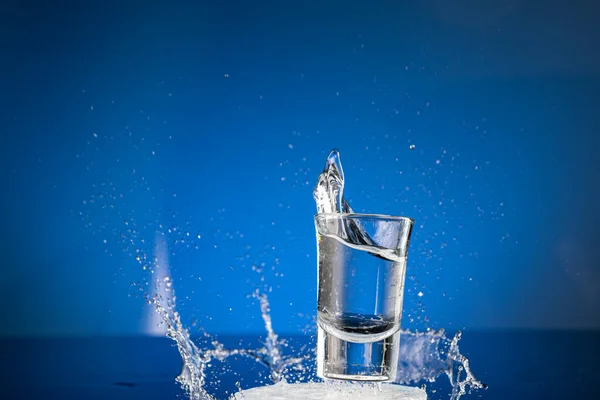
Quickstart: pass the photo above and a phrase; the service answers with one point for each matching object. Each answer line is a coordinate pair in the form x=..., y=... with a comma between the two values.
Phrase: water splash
x=424, y=357
x=271, y=354
x=333, y=391
x=195, y=360
x=329, y=190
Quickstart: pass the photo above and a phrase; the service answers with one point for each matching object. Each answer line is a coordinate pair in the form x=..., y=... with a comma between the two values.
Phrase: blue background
x=214, y=119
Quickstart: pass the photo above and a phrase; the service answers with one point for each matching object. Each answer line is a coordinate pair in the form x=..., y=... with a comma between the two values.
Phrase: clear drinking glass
x=361, y=269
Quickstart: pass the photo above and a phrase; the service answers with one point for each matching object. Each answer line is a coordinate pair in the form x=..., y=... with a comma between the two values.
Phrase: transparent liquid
x=360, y=290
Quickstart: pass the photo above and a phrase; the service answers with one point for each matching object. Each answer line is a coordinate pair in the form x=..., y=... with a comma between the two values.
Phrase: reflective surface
x=515, y=365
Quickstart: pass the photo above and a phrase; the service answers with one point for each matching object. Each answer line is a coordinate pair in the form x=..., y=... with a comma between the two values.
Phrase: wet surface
x=515, y=365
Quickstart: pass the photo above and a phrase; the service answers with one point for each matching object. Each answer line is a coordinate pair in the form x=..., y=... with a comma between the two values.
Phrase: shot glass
x=361, y=270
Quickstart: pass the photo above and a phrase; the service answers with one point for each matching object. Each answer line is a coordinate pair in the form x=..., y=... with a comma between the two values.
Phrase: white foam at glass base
x=322, y=391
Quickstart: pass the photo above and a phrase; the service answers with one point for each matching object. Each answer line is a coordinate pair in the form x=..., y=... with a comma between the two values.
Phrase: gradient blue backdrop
x=210, y=123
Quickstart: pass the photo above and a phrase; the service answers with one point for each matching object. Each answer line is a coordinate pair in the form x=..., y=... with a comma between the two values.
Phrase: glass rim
x=365, y=216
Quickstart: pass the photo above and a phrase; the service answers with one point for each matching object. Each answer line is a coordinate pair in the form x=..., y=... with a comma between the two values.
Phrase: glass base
x=365, y=377
x=366, y=362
